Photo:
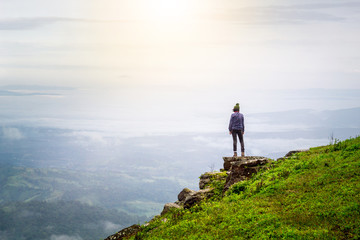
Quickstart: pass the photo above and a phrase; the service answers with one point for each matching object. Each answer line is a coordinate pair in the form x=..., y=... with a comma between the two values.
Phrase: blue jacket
x=237, y=122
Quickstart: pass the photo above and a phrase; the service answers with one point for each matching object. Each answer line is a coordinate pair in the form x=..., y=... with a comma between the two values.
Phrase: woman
x=237, y=128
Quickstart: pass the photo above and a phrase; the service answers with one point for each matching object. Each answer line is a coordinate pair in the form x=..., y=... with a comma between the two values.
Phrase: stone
x=184, y=193
x=243, y=168
x=188, y=198
x=228, y=161
x=208, y=177
x=125, y=233
x=169, y=206
x=197, y=197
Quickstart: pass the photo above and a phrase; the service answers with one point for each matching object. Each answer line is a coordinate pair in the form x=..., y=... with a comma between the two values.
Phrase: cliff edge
x=312, y=194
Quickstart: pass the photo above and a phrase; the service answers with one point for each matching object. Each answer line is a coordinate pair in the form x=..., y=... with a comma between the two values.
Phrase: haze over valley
x=112, y=108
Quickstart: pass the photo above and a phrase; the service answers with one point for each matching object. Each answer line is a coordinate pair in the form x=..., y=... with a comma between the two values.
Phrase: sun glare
x=168, y=10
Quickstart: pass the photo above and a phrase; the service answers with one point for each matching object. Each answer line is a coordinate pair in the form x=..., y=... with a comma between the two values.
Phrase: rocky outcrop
x=188, y=198
x=125, y=233
x=208, y=177
x=197, y=197
x=228, y=161
x=242, y=168
x=184, y=194
x=236, y=169
x=169, y=206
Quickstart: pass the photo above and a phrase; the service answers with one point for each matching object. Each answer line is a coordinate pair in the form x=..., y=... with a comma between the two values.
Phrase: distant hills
x=39, y=203
x=109, y=190
x=135, y=175
x=311, y=119
x=70, y=220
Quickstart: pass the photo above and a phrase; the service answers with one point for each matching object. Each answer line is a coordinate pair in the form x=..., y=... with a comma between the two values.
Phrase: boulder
x=243, y=169
x=169, y=206
x=184, y=193
x=197, y=197
x=208, y=177
x=228, y=161
x=125, y=233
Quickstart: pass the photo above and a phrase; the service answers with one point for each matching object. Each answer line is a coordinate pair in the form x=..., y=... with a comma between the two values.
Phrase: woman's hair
x=236, y=108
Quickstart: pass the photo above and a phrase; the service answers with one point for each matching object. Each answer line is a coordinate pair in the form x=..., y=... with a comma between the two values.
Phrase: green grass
x=312, y=195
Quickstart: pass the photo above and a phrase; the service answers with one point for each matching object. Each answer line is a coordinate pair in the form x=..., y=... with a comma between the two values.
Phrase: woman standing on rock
x=237, y=128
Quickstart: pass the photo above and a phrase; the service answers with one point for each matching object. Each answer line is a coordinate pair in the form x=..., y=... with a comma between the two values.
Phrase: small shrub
x=238, y=187
x=297, y=166
x=284, y=174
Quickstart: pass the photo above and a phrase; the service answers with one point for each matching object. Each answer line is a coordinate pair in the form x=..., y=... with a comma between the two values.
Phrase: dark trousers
x=240, y=135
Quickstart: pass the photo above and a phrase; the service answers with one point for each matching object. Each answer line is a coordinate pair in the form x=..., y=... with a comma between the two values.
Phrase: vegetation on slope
x=312, y=195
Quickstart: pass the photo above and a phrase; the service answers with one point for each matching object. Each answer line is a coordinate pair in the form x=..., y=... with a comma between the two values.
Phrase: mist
x=120, y=105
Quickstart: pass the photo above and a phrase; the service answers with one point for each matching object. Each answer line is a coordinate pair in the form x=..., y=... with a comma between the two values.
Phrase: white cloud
x=35, y=22
x=266, y=146
x=274, y=15
x=111, y=227
x=85, y=137
x=149, y=145
x=219, y=143
x=65, y=237
x=263, y=127
x=133, y=74
x=12, y=133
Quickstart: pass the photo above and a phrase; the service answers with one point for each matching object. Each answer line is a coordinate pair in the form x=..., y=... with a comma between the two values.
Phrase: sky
x=174, y=65
x=147, y=87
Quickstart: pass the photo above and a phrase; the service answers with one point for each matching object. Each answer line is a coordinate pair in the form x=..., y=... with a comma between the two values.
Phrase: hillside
x=310, y=195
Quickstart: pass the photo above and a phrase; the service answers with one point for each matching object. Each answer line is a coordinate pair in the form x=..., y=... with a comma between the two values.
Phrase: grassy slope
x=313, y=195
